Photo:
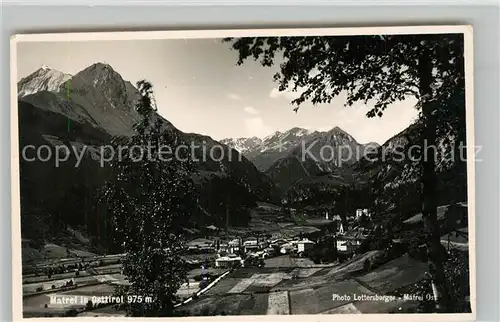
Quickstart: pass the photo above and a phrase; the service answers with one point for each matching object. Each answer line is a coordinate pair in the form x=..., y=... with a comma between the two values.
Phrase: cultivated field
x=303, y=290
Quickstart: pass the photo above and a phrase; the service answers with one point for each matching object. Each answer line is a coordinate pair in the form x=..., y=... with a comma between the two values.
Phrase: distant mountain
x=287, y=157
x=96, y=95
x=99, y=106
x=374, y=166
x=264, y=152
x=321, y=152
x=243, y=145
x=386, y=170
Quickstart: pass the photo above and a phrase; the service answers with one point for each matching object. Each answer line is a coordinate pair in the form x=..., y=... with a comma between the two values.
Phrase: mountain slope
x=264, y=152
x=96, y=95
x=43, y=79
x=323, y=152
x=243, y=145
x=267, y=151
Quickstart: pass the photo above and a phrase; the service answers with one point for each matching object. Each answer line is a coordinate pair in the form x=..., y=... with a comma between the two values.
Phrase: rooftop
x=228, y=259
x=305, y=241
x=353, y=234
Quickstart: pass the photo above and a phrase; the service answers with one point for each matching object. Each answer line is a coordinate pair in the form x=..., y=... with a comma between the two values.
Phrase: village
x=266, y=269
x=230, y=253
x=291, y=245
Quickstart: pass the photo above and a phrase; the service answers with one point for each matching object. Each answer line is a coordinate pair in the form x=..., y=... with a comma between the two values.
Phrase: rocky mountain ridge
x=87, y=110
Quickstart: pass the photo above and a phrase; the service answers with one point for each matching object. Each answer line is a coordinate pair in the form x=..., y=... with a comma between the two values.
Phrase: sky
x=199, y=88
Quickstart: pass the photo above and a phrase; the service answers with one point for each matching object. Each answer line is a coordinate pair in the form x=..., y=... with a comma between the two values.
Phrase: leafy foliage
x=457, y=273
x=324, y=250
x=383, y=68
x=150, y=199
x=380, y=70
x=253, y=261
x=223, y=196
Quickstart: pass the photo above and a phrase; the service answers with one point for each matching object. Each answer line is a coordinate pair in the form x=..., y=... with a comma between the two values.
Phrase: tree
x=382, y=69
x=151, y=198
x=253, y=261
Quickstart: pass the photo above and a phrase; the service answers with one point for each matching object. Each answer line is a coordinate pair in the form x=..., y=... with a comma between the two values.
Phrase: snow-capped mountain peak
x=273, y=135
x=297, y=131
x=242, y=145
x=43, y=79
x=263, y=152
x=275, y=142
x=97, y=95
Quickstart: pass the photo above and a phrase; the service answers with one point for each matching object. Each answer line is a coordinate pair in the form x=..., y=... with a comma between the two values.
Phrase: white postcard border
x=466, y=30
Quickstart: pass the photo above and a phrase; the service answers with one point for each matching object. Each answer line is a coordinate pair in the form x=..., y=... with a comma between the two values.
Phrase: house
x=228, y=261
x=361, y=212
x=221, y=246
x=336, y=218
x=199, y=245
x=275, y=235
x=233, y=246
x=287, y=248
x=278, y=241
x=212, y=228
x=263, y=244
x=304, y=245
x=251, y=245
x=268, y=252
x=341, y=229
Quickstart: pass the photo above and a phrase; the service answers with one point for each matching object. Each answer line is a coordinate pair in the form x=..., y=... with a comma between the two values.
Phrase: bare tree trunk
x=227, y=217
x=435, y=251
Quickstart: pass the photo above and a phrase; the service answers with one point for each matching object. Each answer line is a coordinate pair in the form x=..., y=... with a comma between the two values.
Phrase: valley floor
x=273, y=289
x=284, y=285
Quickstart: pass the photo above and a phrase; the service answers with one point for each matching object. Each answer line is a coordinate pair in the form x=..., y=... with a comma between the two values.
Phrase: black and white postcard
x=280, y=173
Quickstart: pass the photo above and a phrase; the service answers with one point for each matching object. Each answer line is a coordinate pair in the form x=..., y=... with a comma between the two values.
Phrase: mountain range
x=87, y=110
x=297, y=153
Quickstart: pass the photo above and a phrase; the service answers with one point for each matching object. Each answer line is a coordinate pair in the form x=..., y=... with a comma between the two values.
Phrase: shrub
x=205, y=311
x=367, y=265
x=201, y=277
x=417, y=251
x=71, y=312
x=203, y=284
x=252, y=262
x=457, y=276
x=53, y=286
x=181, y=313
x=89, y=305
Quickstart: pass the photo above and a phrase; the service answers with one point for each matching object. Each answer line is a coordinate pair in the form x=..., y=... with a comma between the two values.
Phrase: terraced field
x=297, y=290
